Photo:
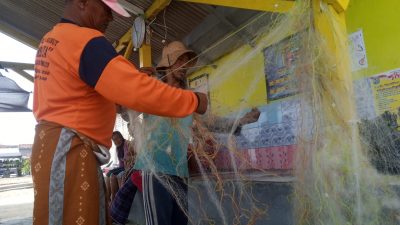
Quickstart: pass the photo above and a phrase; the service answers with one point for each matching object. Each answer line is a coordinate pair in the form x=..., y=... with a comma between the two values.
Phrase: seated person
x=111, y=180
x=131, y=179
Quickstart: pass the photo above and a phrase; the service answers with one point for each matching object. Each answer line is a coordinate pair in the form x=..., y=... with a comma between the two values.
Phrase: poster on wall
x=281, y=62
x=358, y=51
x=364, y=99
x=386, y=91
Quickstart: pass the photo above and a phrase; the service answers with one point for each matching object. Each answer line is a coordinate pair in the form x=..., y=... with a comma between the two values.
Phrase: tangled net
x=308, y=159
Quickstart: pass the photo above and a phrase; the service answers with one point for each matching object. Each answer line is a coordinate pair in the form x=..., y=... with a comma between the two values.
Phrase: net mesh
x=306, y=160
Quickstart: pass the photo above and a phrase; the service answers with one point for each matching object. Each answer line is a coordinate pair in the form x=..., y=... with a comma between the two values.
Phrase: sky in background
x=17, y=128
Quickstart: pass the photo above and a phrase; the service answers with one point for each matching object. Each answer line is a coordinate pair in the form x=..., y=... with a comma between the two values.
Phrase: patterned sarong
x=68, y=183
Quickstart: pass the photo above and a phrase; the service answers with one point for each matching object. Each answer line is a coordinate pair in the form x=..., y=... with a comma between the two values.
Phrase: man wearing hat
x=162, y=152
x=163, y=157
x=79, y=78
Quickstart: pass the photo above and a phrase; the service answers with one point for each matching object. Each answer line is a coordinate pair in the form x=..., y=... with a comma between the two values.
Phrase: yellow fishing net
x=306, y=160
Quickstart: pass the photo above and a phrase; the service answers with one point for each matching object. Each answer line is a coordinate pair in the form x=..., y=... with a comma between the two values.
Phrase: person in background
x=79, y=77
x=131, y=180
x=129, y=160
x=122, y=146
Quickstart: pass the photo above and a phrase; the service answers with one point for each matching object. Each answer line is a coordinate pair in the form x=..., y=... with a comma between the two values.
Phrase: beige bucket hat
x=172, y=52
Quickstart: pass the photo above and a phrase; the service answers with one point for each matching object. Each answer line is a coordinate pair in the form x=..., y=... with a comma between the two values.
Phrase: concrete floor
x=16, y=200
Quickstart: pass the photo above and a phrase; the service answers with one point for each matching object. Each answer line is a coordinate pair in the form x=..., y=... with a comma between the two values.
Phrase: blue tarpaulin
x=12, y=97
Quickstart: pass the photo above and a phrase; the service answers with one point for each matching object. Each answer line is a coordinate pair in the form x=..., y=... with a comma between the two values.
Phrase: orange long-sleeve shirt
x=79, y=77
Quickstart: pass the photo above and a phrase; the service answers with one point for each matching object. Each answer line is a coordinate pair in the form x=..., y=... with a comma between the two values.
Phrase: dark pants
x=121, y=205
x=165, y=199
x=115, y=171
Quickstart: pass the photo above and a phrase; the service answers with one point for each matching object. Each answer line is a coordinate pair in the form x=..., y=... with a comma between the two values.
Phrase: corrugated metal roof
x=198, y=25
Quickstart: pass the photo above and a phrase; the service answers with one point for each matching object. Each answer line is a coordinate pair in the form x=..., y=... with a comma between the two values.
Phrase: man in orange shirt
x=78, y=80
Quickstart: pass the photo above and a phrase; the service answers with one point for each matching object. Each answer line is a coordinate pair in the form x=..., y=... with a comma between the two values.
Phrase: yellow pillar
x=128, y=51
x=145, y=55
x=329, y=22
x=339, y=5
x=145, y=50
x=341, y=136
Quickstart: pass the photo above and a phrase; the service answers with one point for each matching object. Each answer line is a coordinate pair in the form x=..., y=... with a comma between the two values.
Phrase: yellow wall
x=236, y=74
x=230, y=81
x=380, y=23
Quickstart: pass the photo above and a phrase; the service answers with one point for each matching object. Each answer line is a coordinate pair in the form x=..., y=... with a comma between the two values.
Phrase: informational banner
x=386, y=91
x=358, y=52
x=281, y=62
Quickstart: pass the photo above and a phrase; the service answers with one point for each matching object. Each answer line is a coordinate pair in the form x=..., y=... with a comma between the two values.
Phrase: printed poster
x=281, y=67
x=358, y=52
x=386, y=91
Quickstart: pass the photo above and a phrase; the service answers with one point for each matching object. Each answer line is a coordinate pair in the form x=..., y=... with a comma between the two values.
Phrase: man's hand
x=148, y=70
x=203, y=103
x=250, y=117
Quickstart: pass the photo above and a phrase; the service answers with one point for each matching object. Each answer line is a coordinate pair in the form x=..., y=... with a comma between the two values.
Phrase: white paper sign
x=358, y=52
